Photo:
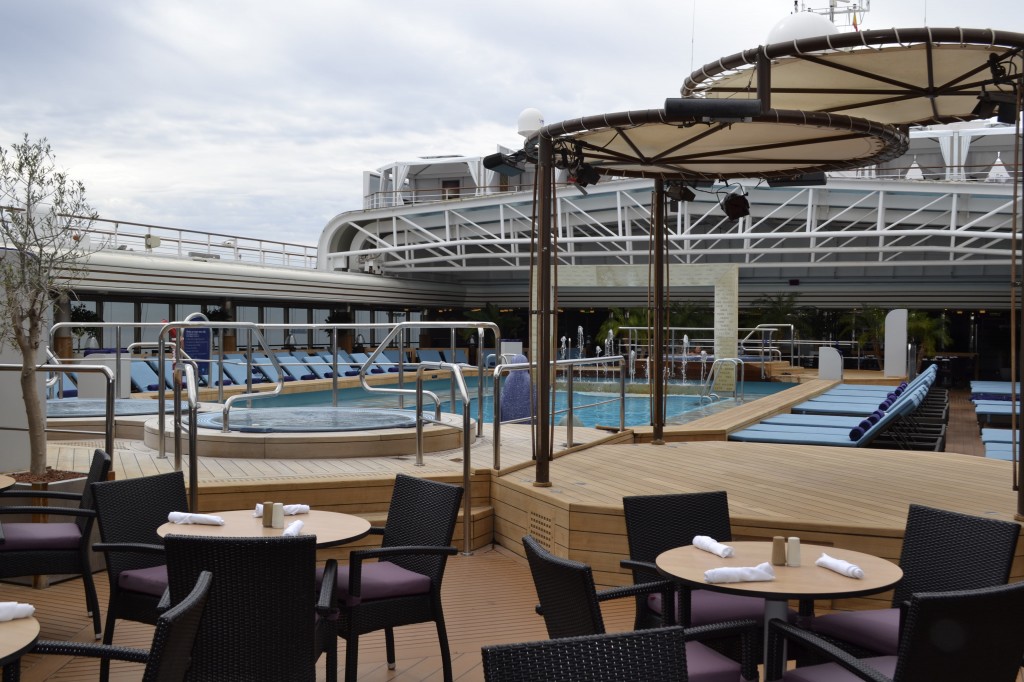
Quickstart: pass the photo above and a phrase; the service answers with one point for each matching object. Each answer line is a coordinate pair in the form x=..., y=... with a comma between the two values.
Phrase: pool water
x=678, y=408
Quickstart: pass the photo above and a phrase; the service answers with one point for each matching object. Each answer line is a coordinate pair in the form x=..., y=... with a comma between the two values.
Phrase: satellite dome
x=530, y=121
x=800, y=25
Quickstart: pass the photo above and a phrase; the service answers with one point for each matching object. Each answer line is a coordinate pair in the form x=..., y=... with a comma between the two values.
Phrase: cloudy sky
x=257, y=118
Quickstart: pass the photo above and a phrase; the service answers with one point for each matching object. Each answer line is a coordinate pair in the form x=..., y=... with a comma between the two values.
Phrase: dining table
x=330, y=528
x=17, y=636
x=6, y=482
x=803, y=582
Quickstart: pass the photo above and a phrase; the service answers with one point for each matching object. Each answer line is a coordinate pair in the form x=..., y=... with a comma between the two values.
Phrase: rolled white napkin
x=709, y=544
x=740, y=574
x=293, y=529
x=9, y=610
x=839, y=566
x=186, y=518
x=289, y=509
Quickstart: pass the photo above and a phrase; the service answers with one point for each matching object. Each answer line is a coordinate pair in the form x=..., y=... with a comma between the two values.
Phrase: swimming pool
x=678, y=408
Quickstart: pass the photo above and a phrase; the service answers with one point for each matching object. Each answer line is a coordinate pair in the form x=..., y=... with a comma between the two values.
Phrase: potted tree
x=42, y=225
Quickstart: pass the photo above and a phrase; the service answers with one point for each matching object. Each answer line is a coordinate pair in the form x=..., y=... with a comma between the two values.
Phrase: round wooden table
x=806, y=581
x=6, y=482
x=330, y=528
x=16, y=638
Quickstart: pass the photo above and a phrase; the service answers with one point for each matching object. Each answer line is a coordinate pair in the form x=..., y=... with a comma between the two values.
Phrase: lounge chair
x=990, y=435
x=363, y=360
x=293, y=367
x=429, y=355
x=235, y=368
x=144, y=377
x=264, y=364
x=317, y=365
x=346, y=366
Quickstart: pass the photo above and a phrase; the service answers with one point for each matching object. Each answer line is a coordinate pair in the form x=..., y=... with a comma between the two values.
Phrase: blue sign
x=196, y=344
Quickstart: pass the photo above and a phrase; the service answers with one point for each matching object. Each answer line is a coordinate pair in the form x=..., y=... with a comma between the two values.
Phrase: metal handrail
x=709, y=384
x=460, y=382
x=108, y=405
x=481, y=327
x=501, y=369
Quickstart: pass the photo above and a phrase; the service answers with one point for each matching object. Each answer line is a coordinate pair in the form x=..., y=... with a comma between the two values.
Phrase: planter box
x=71, y=485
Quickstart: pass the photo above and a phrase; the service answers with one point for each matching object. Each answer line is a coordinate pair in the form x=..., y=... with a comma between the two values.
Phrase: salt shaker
x=779, y=550
x=268, y=508
x=278, y=515
x=793, y=552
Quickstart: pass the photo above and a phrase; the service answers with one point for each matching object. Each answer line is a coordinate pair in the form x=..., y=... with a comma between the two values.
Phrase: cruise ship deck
x=850, y=498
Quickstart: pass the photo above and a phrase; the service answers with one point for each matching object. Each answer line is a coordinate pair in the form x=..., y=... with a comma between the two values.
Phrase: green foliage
x=508, y=322
x=80, y=313
x=929, y=333
x=622, y=317
x=217, y=314
x=691, y=315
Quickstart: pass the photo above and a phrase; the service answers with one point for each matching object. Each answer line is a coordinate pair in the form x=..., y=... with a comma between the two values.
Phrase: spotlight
x=803, y=180
x=676, y=191
x=736, y=206
x=503, y=164
x=1002, y=105
x=583, y=175
x=707, y=110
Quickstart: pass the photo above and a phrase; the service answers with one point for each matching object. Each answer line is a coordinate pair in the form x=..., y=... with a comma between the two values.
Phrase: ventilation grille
x=542, y=529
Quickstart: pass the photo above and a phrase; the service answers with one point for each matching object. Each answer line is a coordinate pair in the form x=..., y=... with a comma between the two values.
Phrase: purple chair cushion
x=876, y=630
x=707, y=665
x=707, y=607
x=833, y=672
x=40, y=536
x=380, y=580
x=152, y=580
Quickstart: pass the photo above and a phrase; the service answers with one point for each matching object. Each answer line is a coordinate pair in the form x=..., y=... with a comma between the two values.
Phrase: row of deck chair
x=993, y=390
x=999, y=443
x=840, y=417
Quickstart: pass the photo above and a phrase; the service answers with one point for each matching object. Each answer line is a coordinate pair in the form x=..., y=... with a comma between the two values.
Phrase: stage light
x=583, y=175
x=503, y=164
x=708, y=110
x=802, y=180
x=736, y=206
x=677, y=191
x=1002, y=105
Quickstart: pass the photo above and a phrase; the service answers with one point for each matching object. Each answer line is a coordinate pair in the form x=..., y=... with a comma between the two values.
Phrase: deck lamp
x=736, y=206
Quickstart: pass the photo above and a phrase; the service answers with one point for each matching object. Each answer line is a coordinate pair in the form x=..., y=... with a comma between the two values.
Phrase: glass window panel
x=118, y=311
x=274, y=337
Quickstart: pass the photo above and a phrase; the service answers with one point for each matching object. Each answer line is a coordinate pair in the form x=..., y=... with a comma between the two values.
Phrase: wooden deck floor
x=488, y=599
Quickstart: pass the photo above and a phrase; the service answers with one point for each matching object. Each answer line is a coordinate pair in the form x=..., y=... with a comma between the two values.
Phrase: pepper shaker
x=779, y=550
x=268, y=508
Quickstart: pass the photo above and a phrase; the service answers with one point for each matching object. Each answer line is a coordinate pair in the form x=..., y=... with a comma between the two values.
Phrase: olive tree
x=43, y=215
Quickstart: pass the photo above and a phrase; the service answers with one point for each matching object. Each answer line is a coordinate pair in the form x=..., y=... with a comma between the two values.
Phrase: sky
x=257, y=118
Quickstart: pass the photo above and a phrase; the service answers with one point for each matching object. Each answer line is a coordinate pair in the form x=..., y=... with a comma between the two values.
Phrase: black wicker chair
x=129, y=512
x=570, y=605
x=263, y=620
x=404, y=586
x=658, y=654
x=28, y=548
x=657, y=523
x=170, y=655
x=948, y=637
x=942, y=551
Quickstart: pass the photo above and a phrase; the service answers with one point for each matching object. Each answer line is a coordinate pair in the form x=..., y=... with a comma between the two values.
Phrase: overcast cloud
x=257, y=118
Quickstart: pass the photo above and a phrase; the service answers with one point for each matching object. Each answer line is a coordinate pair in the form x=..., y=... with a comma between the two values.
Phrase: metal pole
x=419, y=416
x=496, y=425
x=622, y=394
x=658, y=345
x=542, y=317
x=569, y=416
x=480, y=381
x=467, y=494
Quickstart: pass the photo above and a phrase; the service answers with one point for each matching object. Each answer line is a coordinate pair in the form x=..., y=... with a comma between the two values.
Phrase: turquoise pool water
x=637, y=406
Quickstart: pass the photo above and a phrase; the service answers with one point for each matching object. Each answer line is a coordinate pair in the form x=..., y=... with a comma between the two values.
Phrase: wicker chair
x=948, y=637
x=170, y=655
x=28, y=548
x=261, y=616
x=942, y=551
x=658, y=654
x=129, y=512
x=404, y=586
x=657, y=523
x=570, y=605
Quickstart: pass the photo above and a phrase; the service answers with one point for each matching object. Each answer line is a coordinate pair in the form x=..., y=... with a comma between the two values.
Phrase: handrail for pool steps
x=107, y=373
x=508, y=367
x=460, y=382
